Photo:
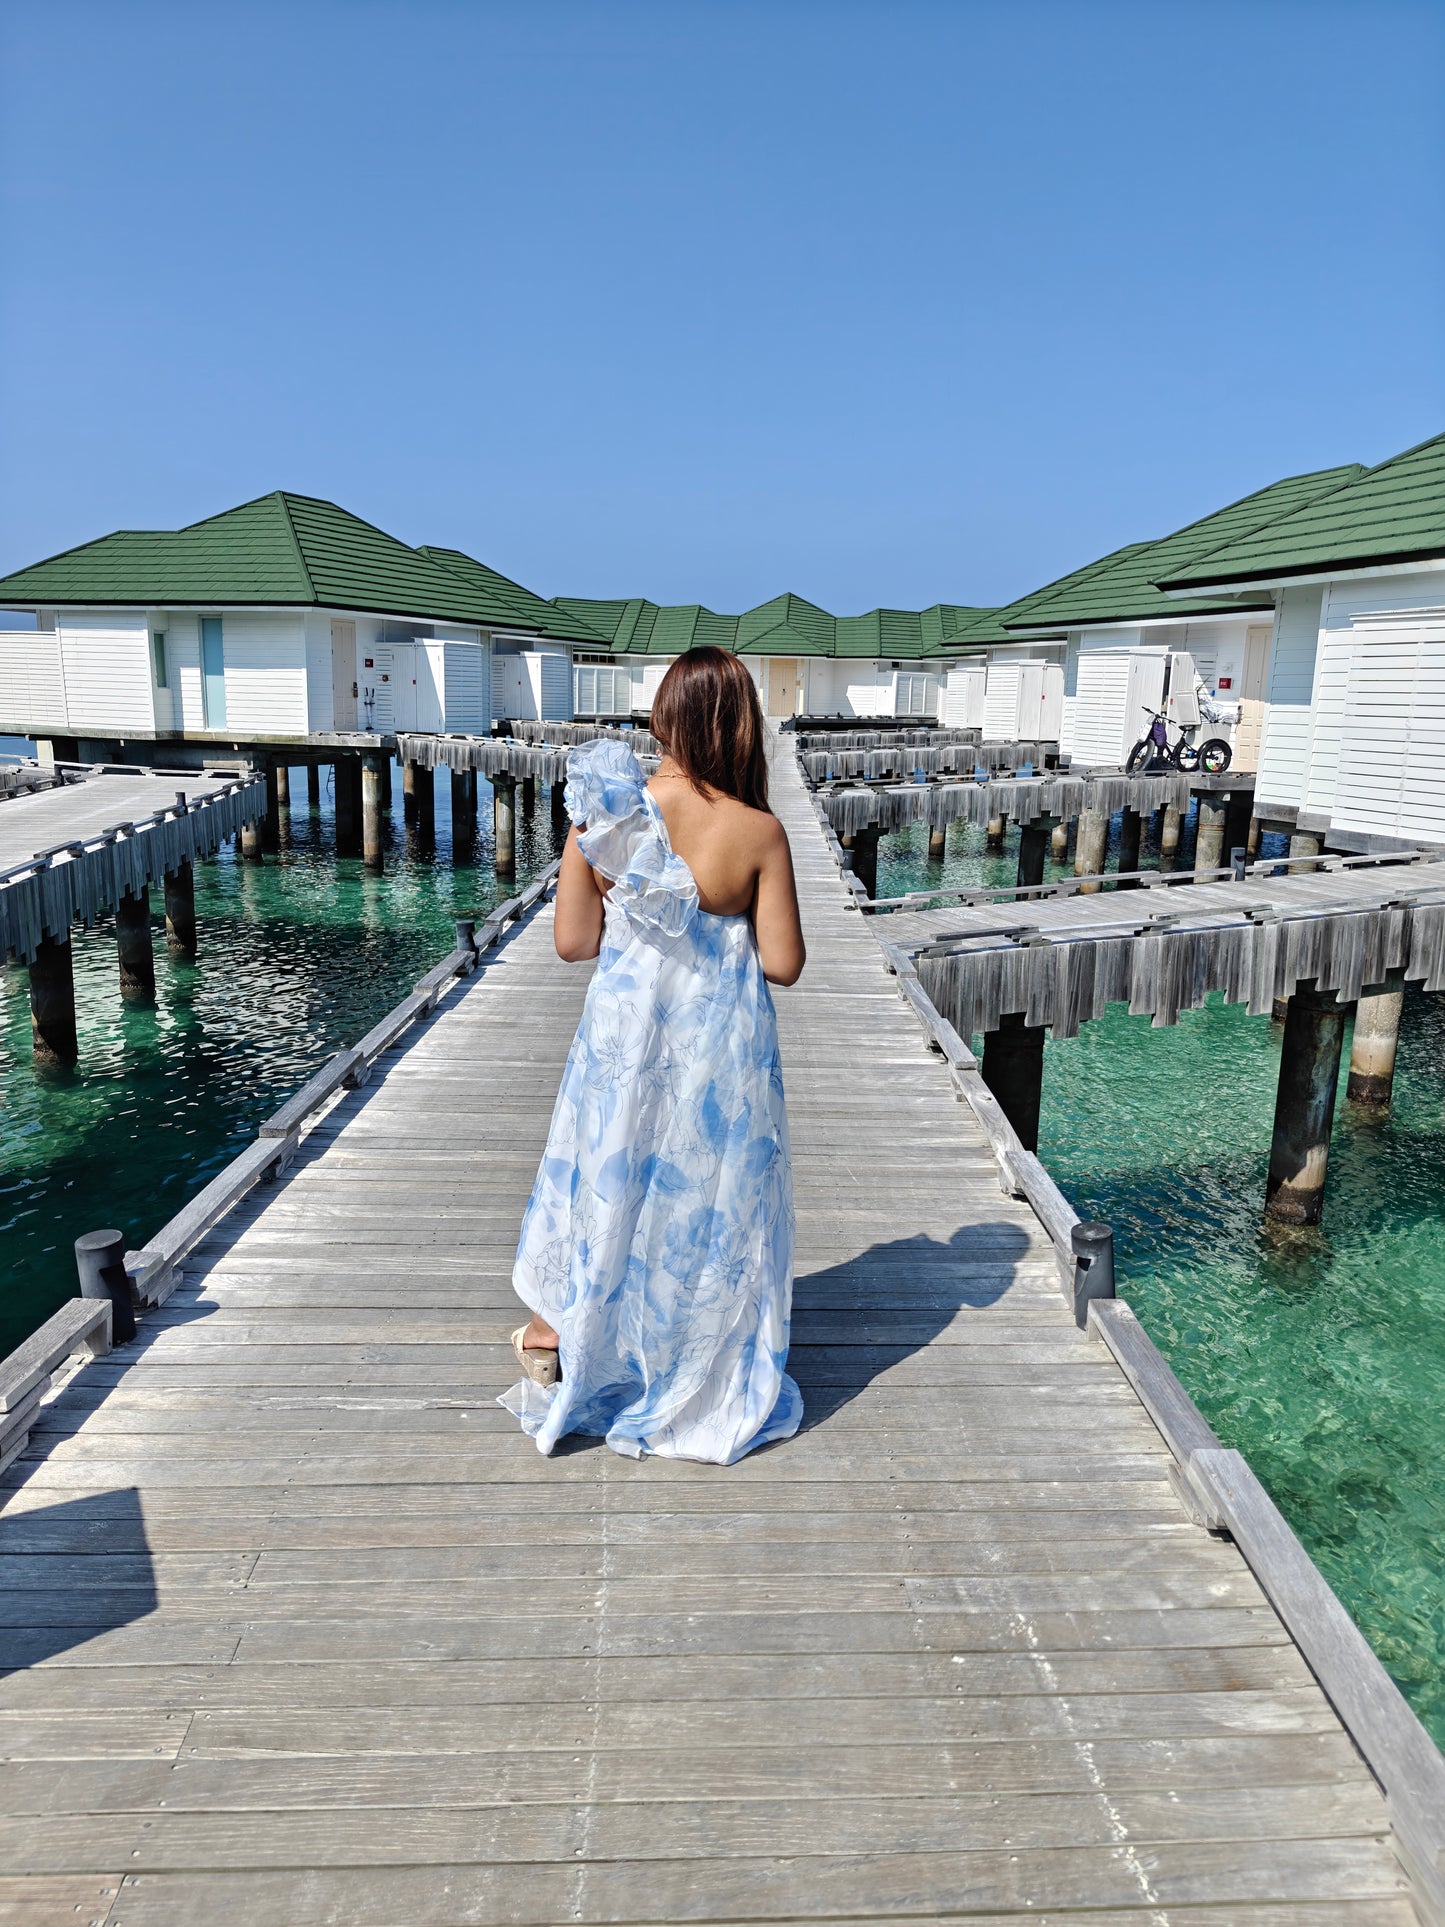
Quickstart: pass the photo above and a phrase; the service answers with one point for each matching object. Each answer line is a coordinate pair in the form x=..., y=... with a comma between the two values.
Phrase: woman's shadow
x=856, y=1320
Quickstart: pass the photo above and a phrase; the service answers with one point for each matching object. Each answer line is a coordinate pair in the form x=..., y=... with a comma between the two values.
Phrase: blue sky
x=702, y=300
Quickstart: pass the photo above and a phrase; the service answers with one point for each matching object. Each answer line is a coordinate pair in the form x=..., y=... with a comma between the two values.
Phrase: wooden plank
x=80, y=1324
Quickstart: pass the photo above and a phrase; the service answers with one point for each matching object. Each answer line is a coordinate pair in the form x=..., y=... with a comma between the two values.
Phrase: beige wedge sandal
x=539, y=1363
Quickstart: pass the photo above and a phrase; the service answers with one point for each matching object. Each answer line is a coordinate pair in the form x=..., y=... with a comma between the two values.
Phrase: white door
x=343, y=674
x=1251, y=696
x=782, y=690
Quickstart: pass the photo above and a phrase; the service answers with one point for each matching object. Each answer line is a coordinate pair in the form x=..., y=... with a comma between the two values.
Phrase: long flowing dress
x=658, y=1240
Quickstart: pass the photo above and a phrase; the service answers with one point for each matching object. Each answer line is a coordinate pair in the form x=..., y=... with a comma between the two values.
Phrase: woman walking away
x=656, y=1253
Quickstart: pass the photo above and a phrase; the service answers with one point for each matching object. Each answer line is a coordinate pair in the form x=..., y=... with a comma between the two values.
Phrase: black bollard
x=1093, y=1246
x=100, y=1261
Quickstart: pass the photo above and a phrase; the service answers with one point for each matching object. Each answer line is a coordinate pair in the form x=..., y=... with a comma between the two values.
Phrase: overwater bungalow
x=284, y=622
x=1353, y=716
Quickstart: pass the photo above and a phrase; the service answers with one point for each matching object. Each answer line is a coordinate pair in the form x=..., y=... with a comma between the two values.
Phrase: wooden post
x=133, y=948
x=1372, y=1048
x=1209, y=845
x=252, y=842
x=1013, y=1069
x=52, y=1003
x=371, y=813
x=100, y=1264
x=938, y=843
x=1169, y=833
x=1059, y=842
x=504, y=811
x=1304, y=843
x=529, y=795
x=271, y=822
x=408, y=792
x=1304, y=1111
x=1090, y=847
x=313, y=786
x=560, y=819
x=1251, y=845
x=1033, y=849
x=1239, y=814
x=463, y=801
x=283, y=785
x=180, y=901
x=993, y=836
x=347, y=777
x=1131, y=831
x=424, y=799
x=865, y=857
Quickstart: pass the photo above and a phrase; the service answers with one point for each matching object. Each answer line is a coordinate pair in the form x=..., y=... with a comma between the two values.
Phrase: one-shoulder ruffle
x=626, y=839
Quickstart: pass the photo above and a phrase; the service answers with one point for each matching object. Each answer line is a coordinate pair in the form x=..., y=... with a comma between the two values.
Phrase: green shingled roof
x=789, y=625
x=280, y=549
x=508, y=604
x=1393, y=513
x=1121, y=588
x=992, y=626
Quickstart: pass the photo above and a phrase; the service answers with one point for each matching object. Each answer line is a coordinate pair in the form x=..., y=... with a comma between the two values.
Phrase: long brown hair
x=707, y=717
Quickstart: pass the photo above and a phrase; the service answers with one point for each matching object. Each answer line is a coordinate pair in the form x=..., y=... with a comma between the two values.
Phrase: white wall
x=106, y=661
x=963, y=699
x=1284, y=749
x=320, y=713
x=468, y=687
x=265, y=658
x=32, y=683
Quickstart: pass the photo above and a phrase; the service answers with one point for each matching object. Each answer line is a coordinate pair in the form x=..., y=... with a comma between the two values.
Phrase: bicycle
x=1212, y=756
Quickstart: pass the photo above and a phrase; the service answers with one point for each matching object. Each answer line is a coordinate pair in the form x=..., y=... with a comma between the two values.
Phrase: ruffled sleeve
x=625, y=837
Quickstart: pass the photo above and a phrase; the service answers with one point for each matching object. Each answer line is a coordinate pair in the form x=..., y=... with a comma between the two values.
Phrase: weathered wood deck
x=304, y=1630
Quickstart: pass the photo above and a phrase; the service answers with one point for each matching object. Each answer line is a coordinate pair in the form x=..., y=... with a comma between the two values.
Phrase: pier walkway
x=303, y=1630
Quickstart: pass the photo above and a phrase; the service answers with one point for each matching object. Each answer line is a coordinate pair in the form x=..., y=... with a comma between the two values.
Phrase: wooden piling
x=529, y=795
x=1033, y=849
x=1373, y=1045
x=1090, y=847
x=283, y=785
x=371, y=809
x=1239, y=814
x=463, y=801
x=865, y=858
x=271, y=822
x=1209, y=845
x=1256, y=830
x=938, y=843
x=504, y=815
x=994, y=834
x=560, y=820
x=1305, y=843
x=1170, y=830
x=1131, y=832
x=252, y=842
x=1059, y=842
x=313, y=786
x=424, y=800
x=408, y=792
x=52, y=1003
x=386, y=763
x=1309, y=1072
x=1013, y=1069
x=180, y=903
x=133, y=947
x=347, y=776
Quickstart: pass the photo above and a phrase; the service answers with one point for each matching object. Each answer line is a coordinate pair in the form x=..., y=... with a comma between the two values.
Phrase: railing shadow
x=72, y=1572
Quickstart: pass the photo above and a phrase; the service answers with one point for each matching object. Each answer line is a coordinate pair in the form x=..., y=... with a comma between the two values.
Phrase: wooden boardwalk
x=305, y=1631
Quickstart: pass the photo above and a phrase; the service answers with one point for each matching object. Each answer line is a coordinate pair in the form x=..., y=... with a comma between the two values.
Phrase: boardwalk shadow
x=856, y=1320
x=72, y=1572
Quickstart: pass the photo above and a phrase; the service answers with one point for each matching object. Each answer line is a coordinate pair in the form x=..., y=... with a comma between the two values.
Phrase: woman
x=656, y=1253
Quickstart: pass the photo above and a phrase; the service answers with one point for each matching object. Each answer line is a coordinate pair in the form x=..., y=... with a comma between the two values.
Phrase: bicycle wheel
x=1139, y=757
x=1215, y=755
x=1186, y=756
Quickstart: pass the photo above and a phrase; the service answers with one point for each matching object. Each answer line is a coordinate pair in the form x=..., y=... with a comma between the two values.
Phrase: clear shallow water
x=1320, y=1355
x=298, y=956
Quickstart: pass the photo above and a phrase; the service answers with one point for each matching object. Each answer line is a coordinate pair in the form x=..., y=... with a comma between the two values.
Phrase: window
x=158, y=657
x=213, y=673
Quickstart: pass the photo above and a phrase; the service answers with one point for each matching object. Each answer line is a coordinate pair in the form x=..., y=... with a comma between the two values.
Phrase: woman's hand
x=577, y=920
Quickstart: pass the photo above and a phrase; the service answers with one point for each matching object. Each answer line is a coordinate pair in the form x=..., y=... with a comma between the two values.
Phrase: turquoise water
x=1319, y=1355
x=297, y=957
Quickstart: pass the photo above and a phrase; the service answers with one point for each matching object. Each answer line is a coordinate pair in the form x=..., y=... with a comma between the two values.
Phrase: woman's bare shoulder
x=761, y=828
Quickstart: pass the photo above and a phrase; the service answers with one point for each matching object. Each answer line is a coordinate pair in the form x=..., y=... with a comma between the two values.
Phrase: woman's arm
x=776, y=922
x=577, y=923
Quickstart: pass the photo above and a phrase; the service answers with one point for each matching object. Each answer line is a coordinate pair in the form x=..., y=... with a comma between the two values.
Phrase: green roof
x=1122, y=588
x=789, y=625
x=507, y=603
x=1393, y=513
x=280, y=549
x=992, y=626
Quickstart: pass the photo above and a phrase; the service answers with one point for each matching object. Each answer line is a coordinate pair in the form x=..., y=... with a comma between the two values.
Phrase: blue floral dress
x=658, y=1240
